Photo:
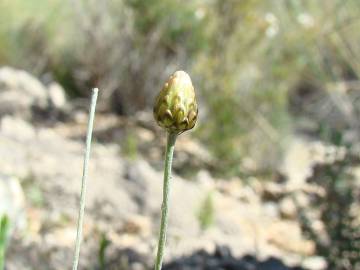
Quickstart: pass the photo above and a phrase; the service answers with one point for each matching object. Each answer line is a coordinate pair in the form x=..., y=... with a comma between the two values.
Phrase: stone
x=57, y=95
x=137, y=224
x=301, y=199
x=61, y=237
x=271, y=209
x=273, y=191
x=288, y=209
x=12, y=201
x=314, y=263
x=288, y=236
x=124, y=203
x=20, y=92
x=205, y=179
x=302, y=155
x=144, y=135
x=16, y=128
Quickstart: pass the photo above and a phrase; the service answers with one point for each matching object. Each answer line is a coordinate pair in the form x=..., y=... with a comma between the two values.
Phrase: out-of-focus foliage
x=123, y=47
x=262, y=51
x=337, y=207
x=246, y=58
x=246, y=98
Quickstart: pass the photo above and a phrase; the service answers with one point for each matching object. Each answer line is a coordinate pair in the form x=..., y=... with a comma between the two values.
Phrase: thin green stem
x=165, y=204
x=4, y=227
x=84, y=178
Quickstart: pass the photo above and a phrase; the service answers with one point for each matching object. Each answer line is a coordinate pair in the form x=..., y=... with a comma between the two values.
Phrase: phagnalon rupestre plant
x=176, y=111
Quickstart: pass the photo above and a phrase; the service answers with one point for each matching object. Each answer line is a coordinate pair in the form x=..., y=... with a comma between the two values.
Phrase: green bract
x=175, y=107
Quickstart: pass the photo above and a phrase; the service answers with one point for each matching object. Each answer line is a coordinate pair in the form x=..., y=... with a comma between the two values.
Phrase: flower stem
x=84, y=178
x=4, y=228
x=165, y=204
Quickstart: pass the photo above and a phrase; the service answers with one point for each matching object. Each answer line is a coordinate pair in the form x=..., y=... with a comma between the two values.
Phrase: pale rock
x=124, y=200
x=12, y=201
x=80, y=117
x=256, y=185
x=301, y=157
x=248, y=195
x=204, y=178
x=16, y=128
x=57, y=95
x=288, y=208
x=20, y=92
x=137, y=266
x=298, y=162
x=137, y=224
x=63, y=237
x=301, y=199
x=288, y=236
x=249, y=164
x=314, y=263
x=231, y=187
x=194, y=149
x=145, y=135
x=271, y=209
x=273, y=191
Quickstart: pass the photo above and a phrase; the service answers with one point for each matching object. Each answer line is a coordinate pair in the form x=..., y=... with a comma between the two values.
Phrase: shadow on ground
x=221, y=259
x=44, y=258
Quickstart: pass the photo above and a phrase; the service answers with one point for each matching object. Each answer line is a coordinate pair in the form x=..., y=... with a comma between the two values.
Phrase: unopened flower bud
x=175, y=107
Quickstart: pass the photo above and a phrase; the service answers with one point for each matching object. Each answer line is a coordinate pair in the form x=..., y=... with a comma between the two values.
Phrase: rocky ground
x=214, y=223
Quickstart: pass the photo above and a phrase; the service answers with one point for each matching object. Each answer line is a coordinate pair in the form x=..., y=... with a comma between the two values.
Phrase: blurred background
x=268, y=179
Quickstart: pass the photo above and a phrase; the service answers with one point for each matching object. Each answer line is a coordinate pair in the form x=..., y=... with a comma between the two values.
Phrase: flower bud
x=175, y=107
